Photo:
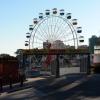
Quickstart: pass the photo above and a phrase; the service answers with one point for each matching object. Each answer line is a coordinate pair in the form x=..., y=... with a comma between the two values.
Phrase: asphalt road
x=66, y=88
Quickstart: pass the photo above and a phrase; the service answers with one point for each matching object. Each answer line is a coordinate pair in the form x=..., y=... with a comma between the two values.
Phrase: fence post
x=10, y=81
x=1, y=84
x=21, y=80
x=88, y=65
x=57, y=67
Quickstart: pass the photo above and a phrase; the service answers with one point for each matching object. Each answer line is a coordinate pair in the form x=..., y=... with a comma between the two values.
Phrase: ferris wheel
x=54, y=29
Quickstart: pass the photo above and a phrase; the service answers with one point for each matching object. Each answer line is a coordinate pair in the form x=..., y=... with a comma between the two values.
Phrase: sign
x=54, y=51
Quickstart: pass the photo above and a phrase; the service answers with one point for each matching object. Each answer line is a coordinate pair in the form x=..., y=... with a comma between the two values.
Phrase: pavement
x=45, y=82
x=26, y=84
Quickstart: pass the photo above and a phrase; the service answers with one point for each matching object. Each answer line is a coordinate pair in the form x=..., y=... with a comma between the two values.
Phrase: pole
x=10, y=81
x=57, y=67
x=1, y=84
x=88, y=64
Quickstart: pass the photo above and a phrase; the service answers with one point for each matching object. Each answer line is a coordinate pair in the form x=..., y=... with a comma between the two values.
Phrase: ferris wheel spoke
x=59, y=27
x=55, y=22
x=52, y=28
x=69, y=40
x=64, y=33
x=42, y=32
x=48, y=28
x=68, y=35
x=39, y=47
x=55, y=26
x=64, y=29
x=39, y=42
x=38, y=38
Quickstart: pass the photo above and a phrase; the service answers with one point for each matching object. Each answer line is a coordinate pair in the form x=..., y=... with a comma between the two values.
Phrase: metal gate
x=58, y=62
x=61, y=64
x=73, y=64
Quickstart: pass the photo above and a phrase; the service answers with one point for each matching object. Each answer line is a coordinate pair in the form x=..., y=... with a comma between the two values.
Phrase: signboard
x=54, y=51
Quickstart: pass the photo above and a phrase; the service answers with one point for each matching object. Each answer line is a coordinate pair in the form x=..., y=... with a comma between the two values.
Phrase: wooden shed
x=8, y=68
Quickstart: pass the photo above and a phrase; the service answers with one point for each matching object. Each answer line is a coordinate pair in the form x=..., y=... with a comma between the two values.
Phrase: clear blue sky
x=17, y=15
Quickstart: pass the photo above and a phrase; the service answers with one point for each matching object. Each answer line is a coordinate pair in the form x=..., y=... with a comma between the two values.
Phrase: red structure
x=8, y=69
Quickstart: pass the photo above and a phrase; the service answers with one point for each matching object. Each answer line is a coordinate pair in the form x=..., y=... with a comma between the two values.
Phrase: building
x=8, y=68
x=58, y=44
x=46, y=45
x=93, y=41
x=94, y=48
x=86, y=47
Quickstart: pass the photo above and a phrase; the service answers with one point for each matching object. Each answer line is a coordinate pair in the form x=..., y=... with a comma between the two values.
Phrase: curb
x=30, y=84
x=26, y=84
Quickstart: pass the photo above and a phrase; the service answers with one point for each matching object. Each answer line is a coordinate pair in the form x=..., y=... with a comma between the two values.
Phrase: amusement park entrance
x=57, y=62
x=53, y=43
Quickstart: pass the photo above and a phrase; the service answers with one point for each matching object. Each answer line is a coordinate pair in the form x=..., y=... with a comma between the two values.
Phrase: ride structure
x=55, y=28
x=52, y=34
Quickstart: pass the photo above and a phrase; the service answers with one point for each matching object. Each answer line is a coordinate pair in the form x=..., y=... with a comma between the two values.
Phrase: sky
x=17, y=15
